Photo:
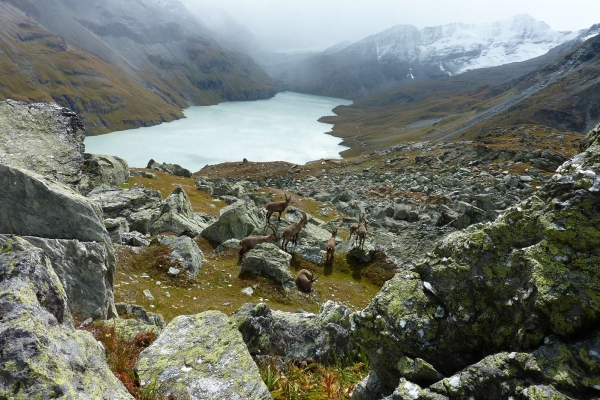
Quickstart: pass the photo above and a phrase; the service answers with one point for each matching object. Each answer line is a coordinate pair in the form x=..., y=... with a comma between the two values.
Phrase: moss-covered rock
x=296, y=336
x=42, y=356
x=186, y=252
x=236, y=221
x=498, y=286
x=201, y=356
x=269, y=261
x=176, y=215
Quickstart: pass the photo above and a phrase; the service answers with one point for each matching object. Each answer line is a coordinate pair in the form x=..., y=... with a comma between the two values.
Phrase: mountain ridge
x=150, y=52
x=403, y=54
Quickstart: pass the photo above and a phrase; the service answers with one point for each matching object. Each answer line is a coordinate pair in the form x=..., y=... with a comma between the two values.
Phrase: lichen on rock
x=504, y=285
x=201, y=356
x=42, y=355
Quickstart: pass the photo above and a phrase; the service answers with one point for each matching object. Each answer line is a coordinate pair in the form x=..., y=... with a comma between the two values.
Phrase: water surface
x=283, y=128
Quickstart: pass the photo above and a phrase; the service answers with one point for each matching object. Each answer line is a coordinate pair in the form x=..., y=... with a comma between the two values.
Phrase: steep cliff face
x=119, y=64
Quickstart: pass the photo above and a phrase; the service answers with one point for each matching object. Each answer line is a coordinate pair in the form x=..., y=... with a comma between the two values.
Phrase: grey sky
x=321, y=23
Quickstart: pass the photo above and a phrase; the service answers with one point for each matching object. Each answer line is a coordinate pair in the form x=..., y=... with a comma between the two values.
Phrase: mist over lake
x=283, y=128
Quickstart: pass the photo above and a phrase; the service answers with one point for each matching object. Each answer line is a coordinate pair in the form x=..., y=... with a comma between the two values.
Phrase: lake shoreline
x=285, y=127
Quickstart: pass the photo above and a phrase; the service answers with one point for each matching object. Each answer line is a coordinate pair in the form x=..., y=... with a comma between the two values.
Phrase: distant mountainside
x=120, y=63
x=563, y=93
x=404, y=54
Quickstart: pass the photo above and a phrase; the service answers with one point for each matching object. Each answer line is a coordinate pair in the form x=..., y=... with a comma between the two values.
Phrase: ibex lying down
x=304, y=280
x=331, y=247
x=292, y=232
x=361, y=232
x=277, y=206
x=250, y=242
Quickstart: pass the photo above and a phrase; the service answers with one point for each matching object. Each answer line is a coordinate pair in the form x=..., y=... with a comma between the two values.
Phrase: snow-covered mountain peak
x=459, y=47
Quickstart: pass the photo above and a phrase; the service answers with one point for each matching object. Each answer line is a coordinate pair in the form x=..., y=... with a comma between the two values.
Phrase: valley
x=441, y=242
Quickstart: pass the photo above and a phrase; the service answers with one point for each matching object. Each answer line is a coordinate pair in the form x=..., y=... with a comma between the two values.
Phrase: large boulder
x=43, y=138
x=70, y=228
x=296, y=336
x=31, y=205
x=102, y=170
x=236, y=221
x=201, y=356
x=177, y=216
x=556, y=370
x=186, y=252
x=269, y=261
x=86, y=271
x=499, y=286
x=42, y=356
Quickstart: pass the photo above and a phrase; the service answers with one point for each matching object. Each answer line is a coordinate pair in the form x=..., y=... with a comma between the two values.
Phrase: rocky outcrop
x=297, y=336
x=69, y=228
x=42, y=356
x=177, y=216
x=86, y=271
x=269, y=261
x=102, y=170
x=502, y=286
x=201, y=356
x=146, y=212
x=138, y=205
x=31, y=205
x=236, y=221
x=173, y=169
x=43, y=138
x=186, y=252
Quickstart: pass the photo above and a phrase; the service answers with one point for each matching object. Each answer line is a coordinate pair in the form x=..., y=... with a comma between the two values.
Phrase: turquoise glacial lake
x=283, y=128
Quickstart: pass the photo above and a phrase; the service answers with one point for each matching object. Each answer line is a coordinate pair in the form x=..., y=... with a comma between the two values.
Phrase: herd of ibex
x=304, y=279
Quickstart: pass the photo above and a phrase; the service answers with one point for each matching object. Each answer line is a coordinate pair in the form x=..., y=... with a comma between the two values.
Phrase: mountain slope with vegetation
x=559, y=94
x=120, y=64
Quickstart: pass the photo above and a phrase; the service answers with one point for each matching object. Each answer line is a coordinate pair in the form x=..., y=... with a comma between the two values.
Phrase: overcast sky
x=321, y=23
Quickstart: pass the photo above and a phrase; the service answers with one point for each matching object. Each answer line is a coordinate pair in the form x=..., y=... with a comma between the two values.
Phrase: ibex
x=292, y=232
x=304, y=280
x=331, y=247
x=250, y=242
x=361, y=232
x=353, y=229
x=277, y=206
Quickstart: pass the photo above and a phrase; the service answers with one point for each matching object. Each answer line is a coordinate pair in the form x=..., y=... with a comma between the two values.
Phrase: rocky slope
x=119, y=64
x=559, y=93
x=530, y=279
x=405, y=54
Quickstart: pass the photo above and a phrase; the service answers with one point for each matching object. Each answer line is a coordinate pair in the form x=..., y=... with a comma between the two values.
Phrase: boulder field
x=496, y=295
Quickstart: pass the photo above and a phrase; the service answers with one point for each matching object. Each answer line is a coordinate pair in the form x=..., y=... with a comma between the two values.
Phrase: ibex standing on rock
x=304, y=280
x=250, y=242
x=331, y=247
x=277, y=206
x=292, y=232
x=361, y=232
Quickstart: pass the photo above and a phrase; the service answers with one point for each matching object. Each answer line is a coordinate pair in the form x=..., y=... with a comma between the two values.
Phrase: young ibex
x=361, y=232
x=292, y=232
x=277, y=206
x=250, y=242
x=331, y=247
x=353, y=229
x=304, y=280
